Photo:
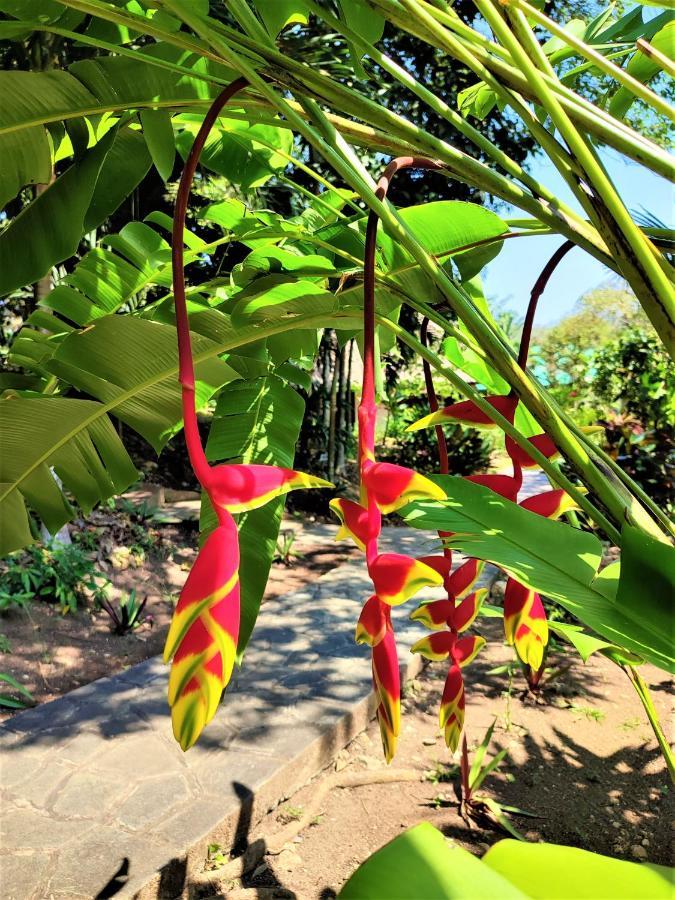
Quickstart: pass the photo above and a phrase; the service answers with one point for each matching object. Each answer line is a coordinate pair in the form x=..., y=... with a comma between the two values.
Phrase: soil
x=52, y=653
x=581, y=757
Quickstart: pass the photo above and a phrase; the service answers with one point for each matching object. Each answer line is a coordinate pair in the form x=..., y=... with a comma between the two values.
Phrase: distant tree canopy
x=565, y=349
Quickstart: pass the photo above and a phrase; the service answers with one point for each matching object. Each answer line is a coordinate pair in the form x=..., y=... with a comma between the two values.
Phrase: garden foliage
x=121, y=340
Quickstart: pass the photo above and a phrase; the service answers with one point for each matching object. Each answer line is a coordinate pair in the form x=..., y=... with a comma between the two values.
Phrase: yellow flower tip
x=425, y=422
x=311, y=481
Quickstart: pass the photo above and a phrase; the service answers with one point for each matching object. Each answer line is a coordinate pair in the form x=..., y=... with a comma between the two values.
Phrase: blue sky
x=509, y=278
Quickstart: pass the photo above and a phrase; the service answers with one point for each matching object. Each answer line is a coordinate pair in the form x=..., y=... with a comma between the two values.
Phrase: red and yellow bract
x=525, y=625
x=202, y=639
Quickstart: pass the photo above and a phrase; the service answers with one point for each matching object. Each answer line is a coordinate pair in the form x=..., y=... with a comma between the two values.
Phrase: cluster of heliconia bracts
x=448, y=618
x=385, y=488
x=525, y=624
x=202, y=639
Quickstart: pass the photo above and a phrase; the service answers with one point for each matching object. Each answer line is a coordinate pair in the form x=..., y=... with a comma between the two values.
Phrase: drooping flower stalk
x=525, y=624
x=204, y=631
x=454, y=614
x=384, y=488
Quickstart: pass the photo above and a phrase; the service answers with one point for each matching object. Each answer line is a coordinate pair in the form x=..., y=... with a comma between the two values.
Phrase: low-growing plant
x=475, y=805
x=127, y=615
x=19, y=698
x=55, y=573
x=284, y=553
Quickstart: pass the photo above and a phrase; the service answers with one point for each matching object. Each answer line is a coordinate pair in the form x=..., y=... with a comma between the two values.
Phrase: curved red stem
x=402, y=162
x=367, y=407
x=537, y=291
x=186, y=371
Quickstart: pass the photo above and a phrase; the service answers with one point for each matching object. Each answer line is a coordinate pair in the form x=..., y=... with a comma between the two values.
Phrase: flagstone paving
x=99, y=800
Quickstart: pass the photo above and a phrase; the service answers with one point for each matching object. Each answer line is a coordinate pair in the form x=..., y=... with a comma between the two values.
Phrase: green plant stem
x=632, y=485
x=138, y=23
x=121, y=50
x=251, y=25
x=661, y=59
x=644, y=271
x=642, y=690
x=609, y=68
x=313, y=198
x=596, y=121
x=438, y=106
x=463, y=167
x=564, y=163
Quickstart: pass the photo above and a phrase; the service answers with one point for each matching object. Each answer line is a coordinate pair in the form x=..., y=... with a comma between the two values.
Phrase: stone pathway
x=99, y=801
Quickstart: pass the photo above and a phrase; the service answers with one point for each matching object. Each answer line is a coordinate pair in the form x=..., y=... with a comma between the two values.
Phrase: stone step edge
x=173, y=880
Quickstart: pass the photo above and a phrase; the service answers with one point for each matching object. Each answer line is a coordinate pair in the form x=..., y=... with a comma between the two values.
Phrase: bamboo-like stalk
x=664, y=61
x=438, y=106
x=639, y=260
x=609, y=68
x=564, y=163
x=304, y=80
x=642, y=690
x=586, y=115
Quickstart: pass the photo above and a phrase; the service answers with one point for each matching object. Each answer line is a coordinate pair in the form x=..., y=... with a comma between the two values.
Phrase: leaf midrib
x=507, y=538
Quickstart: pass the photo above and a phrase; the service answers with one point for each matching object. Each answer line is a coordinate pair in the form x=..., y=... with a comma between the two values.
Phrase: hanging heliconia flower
x=384, y=489
x=449, y=618
x=203, y=636
x=467, y=413
x=525, y=624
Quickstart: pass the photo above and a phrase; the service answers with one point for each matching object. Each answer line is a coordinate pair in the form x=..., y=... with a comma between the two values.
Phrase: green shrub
x=635, y=375
x=468, y=450
x=56, y=573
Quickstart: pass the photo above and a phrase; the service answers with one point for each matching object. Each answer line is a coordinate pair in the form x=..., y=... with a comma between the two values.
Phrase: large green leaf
x=420, y=863
x=232, y=150
x=277, y=14
x=75, y=439
x=267, y=299
x=124, y=167
x=551, y=558
x=130, y=365
x=444, y=226
x=558, y=873
x=158, y=133
x=105, y=279
x=49, y=229
x=31, y=161
x=647, y=568
x=255, y=421
x=29, y=101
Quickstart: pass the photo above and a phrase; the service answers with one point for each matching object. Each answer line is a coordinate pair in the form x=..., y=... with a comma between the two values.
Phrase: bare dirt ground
x=583, y=759
x=52, y=653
